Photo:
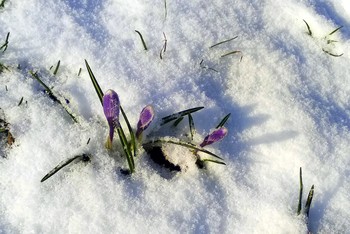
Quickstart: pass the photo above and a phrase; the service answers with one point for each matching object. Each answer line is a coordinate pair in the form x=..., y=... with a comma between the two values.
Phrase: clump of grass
x=5, y=45
x=50, y=93
x=142, y=40
x=328, y=40
x=309, y=198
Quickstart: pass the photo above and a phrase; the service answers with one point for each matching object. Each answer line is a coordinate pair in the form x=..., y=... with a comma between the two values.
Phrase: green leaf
x=143, y=41
x=126, y=149
x=300, y=191
x=223, y=42
x=178, y=121
x=132, y=135
x=331, y=54
x=63, y=164
x=232, y=52
x=213, y=161
x=308, y=28
x=57, y=66
x=5, y=45
x=309, y=200
x=95, y=83
x=192, y=128
x=52, y=95
x=177, y=115
x=335, y=30
x=223, y=121
x=184, y=144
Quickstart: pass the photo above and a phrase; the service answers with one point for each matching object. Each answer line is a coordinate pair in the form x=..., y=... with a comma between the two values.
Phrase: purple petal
x=216, y=135
x=146, y=117
x=111, y=106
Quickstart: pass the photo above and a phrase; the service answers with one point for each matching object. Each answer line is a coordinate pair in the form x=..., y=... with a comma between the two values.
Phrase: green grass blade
x=20, y=102
x=143, y=41
x=213, y=161
x=132, y=135
x=331, y=54
x=178, y=121
x=126, y=149
x=335, y=30
x=60, y=166
x=309, y=200
x=192, y=127
x=2, y=4
x=52, y=95
x=300, y=191
x=177, y=115
x=5, y=45
x=232, y=52
x=222, y=42
x=185, y=144
x=95, y=83
x=79, y=72
x=308, y=28
x=165, y=10
x=223, y=121
x=57, y=66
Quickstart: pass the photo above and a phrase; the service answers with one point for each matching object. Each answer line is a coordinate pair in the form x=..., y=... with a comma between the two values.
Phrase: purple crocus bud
x=216, y=135
x=111, y=106
x=146, y=117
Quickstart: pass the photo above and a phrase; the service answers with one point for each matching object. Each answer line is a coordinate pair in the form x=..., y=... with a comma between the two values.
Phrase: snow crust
x=289, y=103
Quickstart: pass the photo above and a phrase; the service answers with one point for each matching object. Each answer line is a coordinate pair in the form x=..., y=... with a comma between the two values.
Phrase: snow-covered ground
x=289, y=103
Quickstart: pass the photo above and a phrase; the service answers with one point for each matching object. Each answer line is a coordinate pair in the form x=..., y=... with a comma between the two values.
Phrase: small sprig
x=180, y=114
x=52, y=95
x=222, y=42
x=309, y=198
x=83, y=157
x=125, y=144
x=5, y=45
x=163, y=50
x=308, y=28
x=143, y=41
x=57, y=66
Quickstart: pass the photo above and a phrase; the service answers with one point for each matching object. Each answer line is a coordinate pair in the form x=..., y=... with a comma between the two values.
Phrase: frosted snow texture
x=289, y=103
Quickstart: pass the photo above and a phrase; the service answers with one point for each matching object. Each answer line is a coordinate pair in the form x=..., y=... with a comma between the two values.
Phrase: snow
x=289, y=105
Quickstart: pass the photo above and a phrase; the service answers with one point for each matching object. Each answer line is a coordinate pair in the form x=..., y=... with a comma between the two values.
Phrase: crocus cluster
x=111, y=106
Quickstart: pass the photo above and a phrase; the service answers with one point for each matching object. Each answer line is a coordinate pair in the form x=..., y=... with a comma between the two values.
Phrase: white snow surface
x=289, y=103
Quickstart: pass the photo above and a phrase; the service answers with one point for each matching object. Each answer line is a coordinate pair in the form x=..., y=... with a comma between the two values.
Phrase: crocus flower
x=111, y=106
x=214, y=136
x=146, y=117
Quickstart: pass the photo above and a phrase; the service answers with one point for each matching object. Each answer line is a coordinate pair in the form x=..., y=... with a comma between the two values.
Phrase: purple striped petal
x=111, y=107
x=146, y=117
x=216, y=135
